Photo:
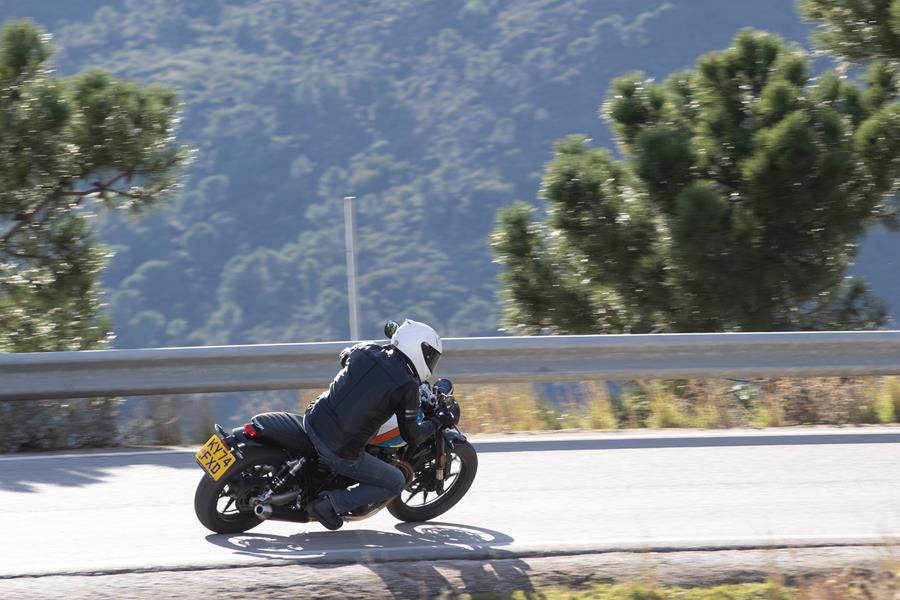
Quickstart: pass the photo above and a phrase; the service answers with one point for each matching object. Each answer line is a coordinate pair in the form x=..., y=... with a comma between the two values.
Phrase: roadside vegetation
x=849, y=585
x=685, y=404
x=487, y=409
x=750, y=591
x=70, y=148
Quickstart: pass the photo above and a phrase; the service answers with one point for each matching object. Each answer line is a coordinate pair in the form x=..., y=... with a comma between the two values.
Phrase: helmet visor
x=431, y=355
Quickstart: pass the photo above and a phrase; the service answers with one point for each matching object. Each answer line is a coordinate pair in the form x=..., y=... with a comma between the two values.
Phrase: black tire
x=468, y=458
x=244, y=482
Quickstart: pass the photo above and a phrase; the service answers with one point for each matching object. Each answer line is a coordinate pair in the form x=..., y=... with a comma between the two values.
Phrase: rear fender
x=239, y=440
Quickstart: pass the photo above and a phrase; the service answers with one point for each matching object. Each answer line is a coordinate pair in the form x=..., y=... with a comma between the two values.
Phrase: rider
x=374, y=383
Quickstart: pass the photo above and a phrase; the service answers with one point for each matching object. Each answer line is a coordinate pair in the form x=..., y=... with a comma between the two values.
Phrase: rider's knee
x=397, y=482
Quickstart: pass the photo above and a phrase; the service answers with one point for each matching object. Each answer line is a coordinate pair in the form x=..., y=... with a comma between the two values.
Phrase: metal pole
x=350, y=238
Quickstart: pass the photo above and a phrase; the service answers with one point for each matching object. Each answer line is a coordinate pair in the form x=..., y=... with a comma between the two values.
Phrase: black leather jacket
x=375, y=383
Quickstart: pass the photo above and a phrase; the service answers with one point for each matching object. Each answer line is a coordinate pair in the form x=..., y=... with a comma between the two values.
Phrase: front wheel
x=224, y=506
x=422, y=500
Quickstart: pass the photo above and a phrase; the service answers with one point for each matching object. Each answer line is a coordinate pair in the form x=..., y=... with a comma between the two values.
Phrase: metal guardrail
x=466, y=360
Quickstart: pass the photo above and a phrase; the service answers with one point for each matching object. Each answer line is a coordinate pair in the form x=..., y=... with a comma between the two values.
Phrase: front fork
x=440, y=461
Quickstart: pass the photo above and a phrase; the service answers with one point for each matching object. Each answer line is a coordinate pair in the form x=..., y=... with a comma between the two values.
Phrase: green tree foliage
x=857, y=30
x=65, y=143
x=863, y=33
x=432, y=113
x=744, y=188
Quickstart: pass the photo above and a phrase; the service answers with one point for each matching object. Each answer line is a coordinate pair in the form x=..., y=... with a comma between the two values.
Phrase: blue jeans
x=378, y=480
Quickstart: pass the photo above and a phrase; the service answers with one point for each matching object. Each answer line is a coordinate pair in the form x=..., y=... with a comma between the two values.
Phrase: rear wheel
x=224, y=506
x=424, y=498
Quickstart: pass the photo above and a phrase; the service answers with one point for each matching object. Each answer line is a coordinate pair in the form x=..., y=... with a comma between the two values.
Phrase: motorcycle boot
x=322, y=511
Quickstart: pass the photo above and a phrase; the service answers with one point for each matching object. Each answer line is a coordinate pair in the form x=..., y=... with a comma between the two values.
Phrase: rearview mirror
x=390, y=328
x=443, y=387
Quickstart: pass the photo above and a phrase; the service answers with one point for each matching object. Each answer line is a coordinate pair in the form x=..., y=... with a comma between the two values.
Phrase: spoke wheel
x=224, y=506
x=425, y=498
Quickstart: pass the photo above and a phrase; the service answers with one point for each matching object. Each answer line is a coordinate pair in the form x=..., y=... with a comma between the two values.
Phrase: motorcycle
x=268, y=469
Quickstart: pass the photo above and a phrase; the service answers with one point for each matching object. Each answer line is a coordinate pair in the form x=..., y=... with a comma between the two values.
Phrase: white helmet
x=421, y=345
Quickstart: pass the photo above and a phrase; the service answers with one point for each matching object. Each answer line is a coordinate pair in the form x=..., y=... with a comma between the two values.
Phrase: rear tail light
x=250, y=430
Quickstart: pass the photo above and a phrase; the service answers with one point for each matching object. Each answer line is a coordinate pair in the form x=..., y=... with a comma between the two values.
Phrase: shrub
x=58, y=425
x=887, y=400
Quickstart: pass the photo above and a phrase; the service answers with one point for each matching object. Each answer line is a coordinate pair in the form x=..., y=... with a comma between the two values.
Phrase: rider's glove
x=443, y=420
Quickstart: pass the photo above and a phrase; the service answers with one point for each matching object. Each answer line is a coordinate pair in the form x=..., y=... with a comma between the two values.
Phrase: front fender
x=451, y=436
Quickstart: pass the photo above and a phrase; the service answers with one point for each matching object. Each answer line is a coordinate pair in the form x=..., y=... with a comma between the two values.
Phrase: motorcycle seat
x=285, y=430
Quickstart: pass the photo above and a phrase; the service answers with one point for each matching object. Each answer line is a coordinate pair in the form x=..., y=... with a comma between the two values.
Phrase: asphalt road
x=127, y=511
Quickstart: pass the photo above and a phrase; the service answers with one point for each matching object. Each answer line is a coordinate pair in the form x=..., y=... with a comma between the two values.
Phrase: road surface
x=126, y=511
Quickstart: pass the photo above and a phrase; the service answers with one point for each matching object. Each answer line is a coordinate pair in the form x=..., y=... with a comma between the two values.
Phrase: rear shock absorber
x=287, y=474
x=275, y=494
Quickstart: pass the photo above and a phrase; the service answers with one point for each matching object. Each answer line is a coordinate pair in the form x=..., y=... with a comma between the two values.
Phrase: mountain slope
x=432, y=113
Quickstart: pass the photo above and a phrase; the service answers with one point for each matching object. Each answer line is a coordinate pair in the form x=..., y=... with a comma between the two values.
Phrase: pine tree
x=743, y=190
x=68, y=145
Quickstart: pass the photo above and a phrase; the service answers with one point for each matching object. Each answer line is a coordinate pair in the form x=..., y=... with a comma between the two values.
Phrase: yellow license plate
x=214, y=457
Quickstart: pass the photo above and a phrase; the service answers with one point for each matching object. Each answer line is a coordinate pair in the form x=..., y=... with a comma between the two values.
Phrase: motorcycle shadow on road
x=425, y=559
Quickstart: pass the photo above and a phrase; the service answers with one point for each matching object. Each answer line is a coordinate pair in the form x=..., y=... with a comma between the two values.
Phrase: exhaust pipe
x=262, y=511
x=285, y=498
x=280, y=513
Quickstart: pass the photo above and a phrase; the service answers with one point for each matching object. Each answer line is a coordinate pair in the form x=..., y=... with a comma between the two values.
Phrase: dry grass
x=496, y=408
x=849, y=584
x=585, y=405
x=684, y=403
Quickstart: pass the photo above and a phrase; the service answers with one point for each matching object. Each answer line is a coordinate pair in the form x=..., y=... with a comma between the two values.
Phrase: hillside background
x=434, y=113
